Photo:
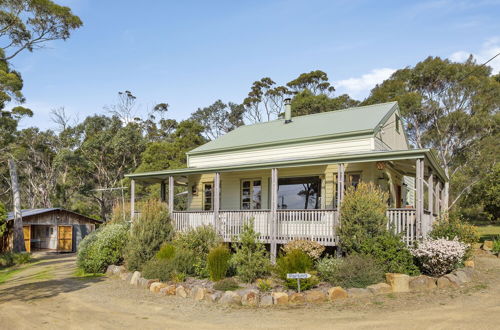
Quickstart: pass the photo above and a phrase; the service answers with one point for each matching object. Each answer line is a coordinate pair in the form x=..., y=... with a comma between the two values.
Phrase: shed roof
x=351, y=121
x=31, y=212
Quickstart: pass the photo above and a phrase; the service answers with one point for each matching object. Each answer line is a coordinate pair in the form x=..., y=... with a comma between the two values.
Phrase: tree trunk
x=18, y=220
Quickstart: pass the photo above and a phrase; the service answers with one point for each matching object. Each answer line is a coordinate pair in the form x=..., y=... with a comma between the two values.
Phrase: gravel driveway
x=46, y=295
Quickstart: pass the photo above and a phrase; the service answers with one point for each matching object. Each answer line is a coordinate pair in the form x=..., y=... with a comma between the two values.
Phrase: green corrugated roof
x=344, y=122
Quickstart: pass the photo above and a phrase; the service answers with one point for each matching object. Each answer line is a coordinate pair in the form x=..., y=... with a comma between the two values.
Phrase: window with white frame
x=251, y=194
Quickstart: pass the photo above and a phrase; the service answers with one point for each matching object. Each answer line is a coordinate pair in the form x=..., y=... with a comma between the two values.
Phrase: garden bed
x=250, y=295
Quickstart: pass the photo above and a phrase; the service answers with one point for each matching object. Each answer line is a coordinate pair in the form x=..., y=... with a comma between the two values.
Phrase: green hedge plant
x=363, y=214
x=152, y=229
x=296, y=261
x=200, y=241
x=250, y=259
x=218, y=262
x=356, y=271
x=102, y=248
x=391, y=253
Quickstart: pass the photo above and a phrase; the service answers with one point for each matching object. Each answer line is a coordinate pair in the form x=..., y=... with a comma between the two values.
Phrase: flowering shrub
x=440, y=256
x=311, y=248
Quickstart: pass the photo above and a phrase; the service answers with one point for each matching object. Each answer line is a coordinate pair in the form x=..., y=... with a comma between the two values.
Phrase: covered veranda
x=412, y=214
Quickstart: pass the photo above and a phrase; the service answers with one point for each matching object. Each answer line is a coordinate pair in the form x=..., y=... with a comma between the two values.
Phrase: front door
x=65, y=238
x=27, y=238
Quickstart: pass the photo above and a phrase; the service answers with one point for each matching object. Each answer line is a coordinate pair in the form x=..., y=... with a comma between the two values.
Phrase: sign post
x=298, y=276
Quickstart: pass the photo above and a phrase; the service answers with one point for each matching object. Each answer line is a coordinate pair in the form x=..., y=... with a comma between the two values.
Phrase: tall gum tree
x=450, y=107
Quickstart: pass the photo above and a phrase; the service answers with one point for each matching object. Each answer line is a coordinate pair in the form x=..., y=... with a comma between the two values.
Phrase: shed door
x=65, y=238
x=27, y=238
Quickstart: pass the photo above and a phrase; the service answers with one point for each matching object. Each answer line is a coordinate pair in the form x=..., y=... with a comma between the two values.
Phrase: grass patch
x=44, y=275
x=7, y=273
x=488, y=232
x=80, y=273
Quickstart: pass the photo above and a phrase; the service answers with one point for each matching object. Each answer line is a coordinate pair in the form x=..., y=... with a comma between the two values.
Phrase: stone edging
x=251, y=297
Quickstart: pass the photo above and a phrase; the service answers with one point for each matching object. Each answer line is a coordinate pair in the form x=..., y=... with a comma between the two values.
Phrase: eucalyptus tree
x=450, y=107
x=219, y=118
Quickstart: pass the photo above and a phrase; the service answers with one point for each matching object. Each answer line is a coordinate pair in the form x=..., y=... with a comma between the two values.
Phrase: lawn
x=488, y=232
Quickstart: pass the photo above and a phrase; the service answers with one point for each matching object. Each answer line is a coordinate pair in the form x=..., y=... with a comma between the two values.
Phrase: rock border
x=395, y=283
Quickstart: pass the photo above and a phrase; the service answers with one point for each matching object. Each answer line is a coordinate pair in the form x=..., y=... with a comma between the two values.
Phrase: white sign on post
x=298, y=277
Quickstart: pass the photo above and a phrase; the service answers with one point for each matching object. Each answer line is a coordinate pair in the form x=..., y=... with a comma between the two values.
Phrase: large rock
x=398, y=282
x=111, y=270
x=143, y=283
x=230, y=298
x=297, y=298
x=266, y=300
x=422, y=283
x=358, y=293
x=488, y=245
x=315, y=296
x=250, y=298
x=443, y=282
x=170, y=290
x=336, y=293
x=180, y=291
x=280, y=298
x=213, y=297
x=379, y=288
x=454, y=280
x=136, y=276
x=151, y=281
x=198, y=293
x=157, y=286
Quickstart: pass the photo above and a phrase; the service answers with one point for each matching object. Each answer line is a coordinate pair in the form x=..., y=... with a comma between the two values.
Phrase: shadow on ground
x=44, y=289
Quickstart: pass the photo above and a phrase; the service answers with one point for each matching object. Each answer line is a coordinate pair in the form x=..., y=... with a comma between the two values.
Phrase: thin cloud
x=489, y=49
x=360, y=87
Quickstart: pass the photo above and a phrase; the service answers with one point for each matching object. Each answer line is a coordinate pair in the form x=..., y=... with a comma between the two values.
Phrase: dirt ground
x=48, y=296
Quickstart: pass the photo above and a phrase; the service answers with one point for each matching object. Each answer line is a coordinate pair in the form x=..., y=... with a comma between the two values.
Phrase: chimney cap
x=288, y=101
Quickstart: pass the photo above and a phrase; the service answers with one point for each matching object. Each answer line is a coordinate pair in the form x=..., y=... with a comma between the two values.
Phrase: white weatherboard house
x=289, y=175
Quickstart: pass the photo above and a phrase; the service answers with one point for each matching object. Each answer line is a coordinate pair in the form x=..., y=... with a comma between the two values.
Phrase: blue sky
x=191, y=53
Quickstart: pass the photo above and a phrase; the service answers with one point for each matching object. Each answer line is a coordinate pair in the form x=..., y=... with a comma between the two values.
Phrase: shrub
x=296, y=261
x=120, y=213
x=218, y=262
x=250, y=259
x=313, y=249
x=452, y=228
x=440, y=256
x=147, y=234
x=167, y=251
x=174, y=267
x=227, y=284
x=356, y=271
x=183, y=262
x=102, y=248
x=391, y=253
x=200, y=240
x=496, y=246
x=264, y=285
x=161, y=269
x=9, y=259
x=327, y=268
x=363, y=214
x=21, y=258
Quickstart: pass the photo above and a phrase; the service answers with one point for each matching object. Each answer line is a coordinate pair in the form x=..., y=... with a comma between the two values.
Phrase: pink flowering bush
x=437, y=257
